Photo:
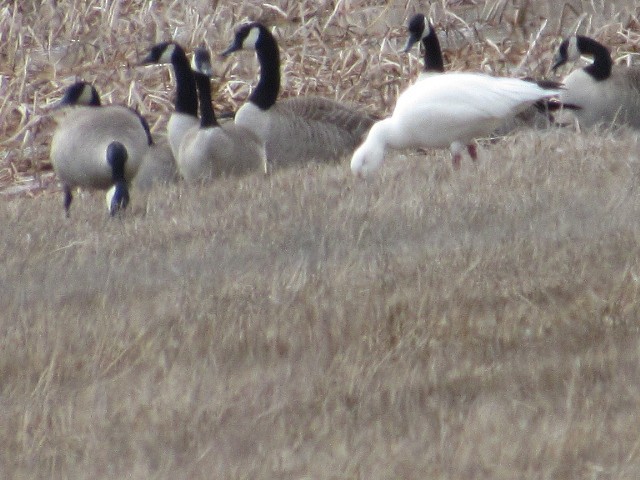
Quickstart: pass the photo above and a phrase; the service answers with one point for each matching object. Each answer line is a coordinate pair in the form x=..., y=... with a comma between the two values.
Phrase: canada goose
x=210, y=150
x=421, y=30
x=295, y=130
x=97, y=146
x=185, y=114
x=600, y=92
x=448, y=110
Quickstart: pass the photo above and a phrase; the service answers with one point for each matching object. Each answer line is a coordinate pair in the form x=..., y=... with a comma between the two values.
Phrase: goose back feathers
x=421, y=30
x=158, y=167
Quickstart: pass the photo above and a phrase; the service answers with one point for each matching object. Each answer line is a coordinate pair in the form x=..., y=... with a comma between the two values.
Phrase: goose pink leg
x=456, y=154
x=473, y=151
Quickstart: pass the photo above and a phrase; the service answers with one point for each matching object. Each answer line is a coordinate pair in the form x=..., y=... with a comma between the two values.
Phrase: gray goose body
x=295, y=130
x=600, y=93
x=79, y=143
x=313, y=128
x=158, y=167
x=83, y=135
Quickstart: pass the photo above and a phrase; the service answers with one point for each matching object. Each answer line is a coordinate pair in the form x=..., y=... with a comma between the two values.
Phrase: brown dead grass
x=422, y=324
x=471, y=324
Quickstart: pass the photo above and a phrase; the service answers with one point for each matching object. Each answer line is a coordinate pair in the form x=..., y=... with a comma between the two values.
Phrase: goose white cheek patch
x=85, y=96
x=251, y=39
x=167, y=54
x=572, y=49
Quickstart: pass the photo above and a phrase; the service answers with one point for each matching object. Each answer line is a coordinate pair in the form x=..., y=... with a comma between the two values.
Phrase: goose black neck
x=145, y=125
x=266, y=92
x=433, y=61
x=207, y=115
x=186, y=96
x=600, y=69
x=117, y=158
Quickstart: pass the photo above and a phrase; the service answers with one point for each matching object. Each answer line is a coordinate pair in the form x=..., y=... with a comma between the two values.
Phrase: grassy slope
x=471, y=324
x=480, y=323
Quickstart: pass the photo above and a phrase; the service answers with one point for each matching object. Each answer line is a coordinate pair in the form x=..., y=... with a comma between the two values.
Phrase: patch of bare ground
x=424, y=323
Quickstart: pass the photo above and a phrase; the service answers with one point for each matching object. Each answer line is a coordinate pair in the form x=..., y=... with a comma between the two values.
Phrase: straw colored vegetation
x=424, y=323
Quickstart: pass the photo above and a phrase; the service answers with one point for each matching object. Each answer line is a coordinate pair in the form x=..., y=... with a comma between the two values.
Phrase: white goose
x=448, y=110
x=294, y=130
x=421, y=30
x=601, y=92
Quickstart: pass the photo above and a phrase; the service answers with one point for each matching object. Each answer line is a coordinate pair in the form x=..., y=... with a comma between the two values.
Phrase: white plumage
x=422, y=31
x=448, y=110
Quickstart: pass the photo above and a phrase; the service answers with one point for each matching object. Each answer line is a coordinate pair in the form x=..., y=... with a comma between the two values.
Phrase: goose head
x=201, y=62
x=165, y=52
x=368, y=157
x=419, y=28
x=365, y=161
x=573, y=47
x=568, y=51
x=247, y=37
x=203, y=71
x=255, y=36
x=80, y=93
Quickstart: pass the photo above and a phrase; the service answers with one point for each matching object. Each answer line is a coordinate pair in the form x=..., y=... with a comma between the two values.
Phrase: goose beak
x=63, y=102
x=145, y=61
x=411, y=41
x=234, y=47
x=558, y=61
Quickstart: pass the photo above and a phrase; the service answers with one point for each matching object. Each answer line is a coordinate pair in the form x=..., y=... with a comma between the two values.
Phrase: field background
x=425, y=323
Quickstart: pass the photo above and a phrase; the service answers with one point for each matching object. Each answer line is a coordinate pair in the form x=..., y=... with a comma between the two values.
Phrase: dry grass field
x=423, y=323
